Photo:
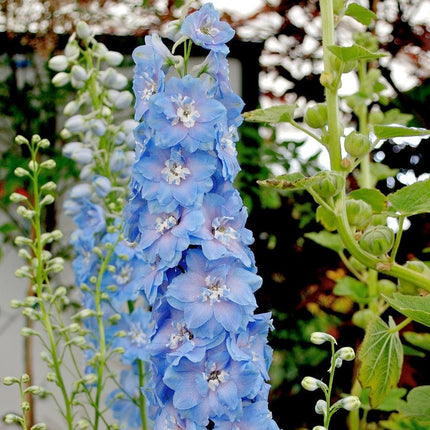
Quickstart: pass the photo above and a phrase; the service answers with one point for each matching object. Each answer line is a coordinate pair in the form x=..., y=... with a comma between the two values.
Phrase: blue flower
x=213, y=387
x=139, y=328
x=165, y=235
x=185, y=113
x=221, y=289
x=227, y=153
x=224, y=233
x=205, y=29
x=172, y=177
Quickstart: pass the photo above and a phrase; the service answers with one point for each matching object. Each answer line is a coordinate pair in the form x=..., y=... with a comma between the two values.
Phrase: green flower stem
x=372, y=262
x=40, y=282
x=329, y=413
x=141, y=373
x=102, y=336
x=24, y=412
x=398, y=238
x=305, y=130
x=331, y=95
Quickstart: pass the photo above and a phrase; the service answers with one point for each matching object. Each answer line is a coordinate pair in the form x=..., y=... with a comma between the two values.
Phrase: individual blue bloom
x=86, y=261
x=185, y=113
x=174, y=340
x=221, y=289
x=255, y=417
x=174, y=177
x=213, y=387
x=224, y=233
x=252, y=343
x=169, y=419
x=205, y=29
x=139, y=328
x=123, y=401
x=88, y=216
x=225, y=147
x=128, y=274
x=165, y=235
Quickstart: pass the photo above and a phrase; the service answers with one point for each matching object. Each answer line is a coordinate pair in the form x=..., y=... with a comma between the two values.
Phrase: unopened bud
x=316, y=116
x=358, y=212
x=321, y=407
x=357, y=144
x=83, y=30
x=61, y=79
x=113, y=58
x=350, y=403
x=377, y=240
x=319, y=338
x=59, y=63
x=346, y=353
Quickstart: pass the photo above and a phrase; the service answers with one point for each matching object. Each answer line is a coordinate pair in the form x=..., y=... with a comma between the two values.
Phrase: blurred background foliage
x=281, y=55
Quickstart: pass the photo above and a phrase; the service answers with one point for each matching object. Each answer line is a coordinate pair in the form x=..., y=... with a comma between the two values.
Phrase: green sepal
x=417, y=404
x=354, y=52
x=381, y=359
x=293, y=181
x=412, y=199
x=328, y=240
x=271, y=115
x=326, y=218
x=415, y=307
x=392, y=131
x=361, y=14
x=373, y=197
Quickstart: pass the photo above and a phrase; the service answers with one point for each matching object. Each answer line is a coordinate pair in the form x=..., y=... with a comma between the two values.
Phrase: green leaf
x=354, y=52
x=352, y=288
x=360, y=14
x=415, y=307
x=274, y=114
x=372, y=196
x=381, y=359
x=420, y=340
x=417, y=404
x=391, y=131
x=412, y=199
x=400, y=422
x=328, y=240
x=395, y=116
x=286, y=182
x=393, y=400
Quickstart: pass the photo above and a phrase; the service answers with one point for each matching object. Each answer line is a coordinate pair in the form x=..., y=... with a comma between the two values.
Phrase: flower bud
x=406, y=287
x=71, y=108
x=362, y=317
x=12, y=419
x=49, y=186
x=386, y=287
x=100, y=50
x=17, y=198
x=20, y=172
x=48, y=164
x=61, y=79
x=80, y=191
x=346, y=353
x=377, y=240
x=321, y=407
x=44, y=143
x=328, y=184
x=379, y=219
x=39, y=426
x=123, y=100
x=376, y=117
x=83, y=30
x=10, y=380
x=358, y=212
x=59, y=63
x=33, y=389
x=316, y=116
x=319, y=428
x=102, y=186
x=311, y=384
x=47, y=200
x=72, y=50
x=319, y=338
x=21, y=240
x=350, y=403
x=357, y=144
x=76, y=124
x=98, y=127
x=83, y=424
x=21, y=140
x=113, y=58
x=79, y=73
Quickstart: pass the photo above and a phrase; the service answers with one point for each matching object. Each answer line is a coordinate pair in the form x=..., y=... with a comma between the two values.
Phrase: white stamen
x=214, y=290
x=163, y=224
x=174, y=173
x=124, y=275
x=185, y=112
x=137, y=335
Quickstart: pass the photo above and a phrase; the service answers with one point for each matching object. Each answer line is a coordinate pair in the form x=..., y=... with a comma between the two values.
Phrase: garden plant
x=161, y=330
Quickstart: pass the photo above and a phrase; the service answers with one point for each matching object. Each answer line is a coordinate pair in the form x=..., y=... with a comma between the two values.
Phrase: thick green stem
x=332, y=99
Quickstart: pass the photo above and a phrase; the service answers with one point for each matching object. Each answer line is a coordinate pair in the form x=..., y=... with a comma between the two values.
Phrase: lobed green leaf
x=417, y=404
x=353, y=288
x=354, y=52
x=412, y=199
x=271, y=115
x=392, y=131
x=373, y=197
x=420, y=340
x=415, y=307
x=328, y=240
x=381, y=360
